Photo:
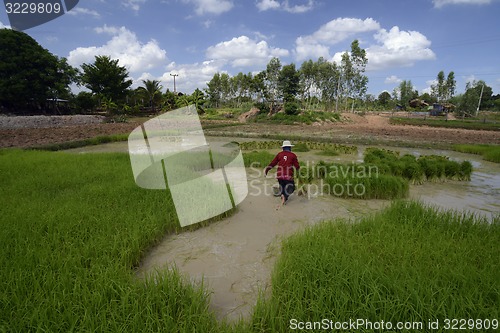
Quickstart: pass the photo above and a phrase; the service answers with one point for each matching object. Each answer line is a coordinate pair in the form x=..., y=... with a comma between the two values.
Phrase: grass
x=306, y=117
x=73, y=229
x=409, y=263
x=82, y=143
x=418, y=170
x=489, y=152
x=465, y=124
x=300, y=146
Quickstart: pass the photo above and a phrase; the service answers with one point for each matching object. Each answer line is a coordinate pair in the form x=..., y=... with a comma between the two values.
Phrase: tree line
x=32, y=80
x=316, y=84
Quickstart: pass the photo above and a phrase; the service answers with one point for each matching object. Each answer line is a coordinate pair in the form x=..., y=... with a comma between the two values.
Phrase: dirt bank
x=354, y=129
x=367, y=129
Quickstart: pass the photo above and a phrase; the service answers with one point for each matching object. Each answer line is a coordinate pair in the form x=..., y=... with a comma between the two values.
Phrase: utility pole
x=480, y=97
x=174, y=75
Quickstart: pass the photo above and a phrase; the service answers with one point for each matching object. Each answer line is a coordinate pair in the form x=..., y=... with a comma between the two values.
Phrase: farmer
x=286, y=161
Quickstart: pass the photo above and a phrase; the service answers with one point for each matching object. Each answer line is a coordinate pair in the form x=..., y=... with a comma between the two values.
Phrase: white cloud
x=2, y=26
x=398, y=49
x=441, y=3
x=298, y=8
x=190, y=76
x=135, y=5
x=243, y=51
x=329, y=34
x=264, y=5
x=135, y=56
x=392, y=79
x=211, y=6
x=308, y=49
x=470, y=78
x=84, y=11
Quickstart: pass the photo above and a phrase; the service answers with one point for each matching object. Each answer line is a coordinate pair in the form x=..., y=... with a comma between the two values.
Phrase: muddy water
x=234, y=257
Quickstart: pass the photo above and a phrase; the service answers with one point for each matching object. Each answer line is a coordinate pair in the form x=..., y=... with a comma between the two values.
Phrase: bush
x=292, y=108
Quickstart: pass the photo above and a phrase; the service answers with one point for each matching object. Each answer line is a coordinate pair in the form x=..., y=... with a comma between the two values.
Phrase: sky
x=194, y=39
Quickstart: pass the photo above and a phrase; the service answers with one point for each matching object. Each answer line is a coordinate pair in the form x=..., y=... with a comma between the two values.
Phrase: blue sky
x=405, y=39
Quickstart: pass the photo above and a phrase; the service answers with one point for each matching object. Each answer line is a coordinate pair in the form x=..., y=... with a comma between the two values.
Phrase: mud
x=235, y=257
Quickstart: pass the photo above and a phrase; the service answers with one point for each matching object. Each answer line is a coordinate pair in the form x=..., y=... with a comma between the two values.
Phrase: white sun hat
x=286, y=143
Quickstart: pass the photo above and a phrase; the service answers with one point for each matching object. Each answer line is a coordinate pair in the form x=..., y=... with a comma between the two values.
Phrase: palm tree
x=151, y=90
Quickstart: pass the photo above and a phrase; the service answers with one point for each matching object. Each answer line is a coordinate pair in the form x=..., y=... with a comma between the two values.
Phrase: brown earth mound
x=353, y=128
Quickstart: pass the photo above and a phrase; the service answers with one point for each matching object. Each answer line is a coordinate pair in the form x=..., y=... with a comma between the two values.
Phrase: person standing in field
x=287, y=163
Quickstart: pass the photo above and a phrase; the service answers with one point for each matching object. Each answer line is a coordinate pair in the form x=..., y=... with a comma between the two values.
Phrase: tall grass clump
x=257, y=159
x=418, y=170
x=370, y=187
x=409, y=263
x=73, y=229
x=489, y=152
x=300, y=146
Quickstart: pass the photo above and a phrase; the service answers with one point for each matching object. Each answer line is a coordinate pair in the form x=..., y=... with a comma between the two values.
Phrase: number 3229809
x=33, y=8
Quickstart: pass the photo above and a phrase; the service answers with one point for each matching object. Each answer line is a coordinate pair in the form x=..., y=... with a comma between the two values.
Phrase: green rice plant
x=489, y=152
x=409, y=263
x=258, y=159
x=417, y=170
x=377, y=155
x=82, y=143
x=327, y=152
x=492, y=155
x=73, y=229
x=370, y=187
x=301, y=147
x=414, y=173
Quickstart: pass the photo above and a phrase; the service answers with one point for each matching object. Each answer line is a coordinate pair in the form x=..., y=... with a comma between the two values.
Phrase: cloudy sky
x=404, y=39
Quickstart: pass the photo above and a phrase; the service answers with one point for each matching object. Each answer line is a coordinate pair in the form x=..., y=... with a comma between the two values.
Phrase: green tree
x=152, y=92
x=384, y=98
x=438, y=90
x=288, y=83
x=106, y=78
x=444, y=89
x=29, y=74
x=198, y=99
x=258, y=87
x=405, y=93
x=353, y=81
x=451, y=85
x=308, y=74
x=477, y=97
x=214, y=90
x=328, y=82
x=272, y=78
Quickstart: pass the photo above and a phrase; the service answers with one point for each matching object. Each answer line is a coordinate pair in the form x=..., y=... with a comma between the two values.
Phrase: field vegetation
x=409, y=263
x=74, y=227
x=489, y=152
x=465, y=124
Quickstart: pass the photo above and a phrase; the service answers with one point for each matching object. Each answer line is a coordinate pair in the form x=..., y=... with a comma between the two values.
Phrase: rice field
x=74, y=227
x=300, y=146
x=409, y=263
x=489, y=152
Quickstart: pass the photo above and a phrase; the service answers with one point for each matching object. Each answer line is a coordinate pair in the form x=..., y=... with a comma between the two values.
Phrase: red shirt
x=286, y=161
